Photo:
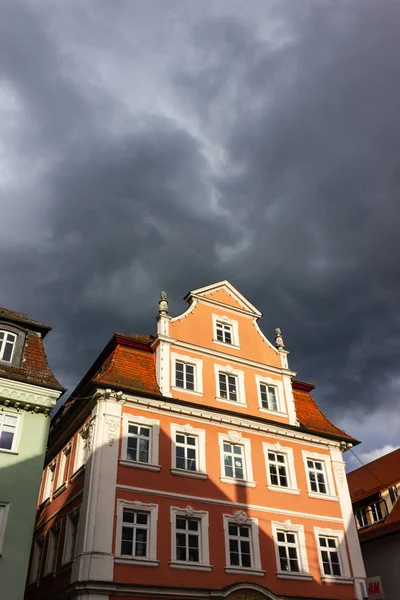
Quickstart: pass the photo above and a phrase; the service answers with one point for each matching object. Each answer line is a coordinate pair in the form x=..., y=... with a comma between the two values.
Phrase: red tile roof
x=375, y=476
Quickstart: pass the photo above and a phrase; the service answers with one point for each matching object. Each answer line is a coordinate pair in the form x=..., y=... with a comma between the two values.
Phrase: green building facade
x=28, y=392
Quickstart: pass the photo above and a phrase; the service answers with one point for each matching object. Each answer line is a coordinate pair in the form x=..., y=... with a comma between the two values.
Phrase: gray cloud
x=149, y=147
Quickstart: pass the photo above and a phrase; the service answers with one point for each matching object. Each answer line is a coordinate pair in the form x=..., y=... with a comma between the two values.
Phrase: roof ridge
x=372, y=462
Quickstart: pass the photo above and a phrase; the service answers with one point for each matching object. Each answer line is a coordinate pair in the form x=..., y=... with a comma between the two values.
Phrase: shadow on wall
x=183, y=493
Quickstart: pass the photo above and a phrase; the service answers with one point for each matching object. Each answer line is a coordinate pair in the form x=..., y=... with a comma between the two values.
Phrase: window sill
x=232, y=402
x=139, y=465
x=323, y=497
x=333, y=579
x=226, y=345
x=296, y=576
x=8, y=451
x=190, y=566
x=234, y=481
x=186, y=391
x=145, y=562
x=59, y=490
x=285, y=490
x=275, y=413
x=45, y=503
x=78, y=472
x=186, y=473
x=244, y=571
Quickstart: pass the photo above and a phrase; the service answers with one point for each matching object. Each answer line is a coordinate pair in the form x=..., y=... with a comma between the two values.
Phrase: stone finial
x=163, y=304
x=279, y=339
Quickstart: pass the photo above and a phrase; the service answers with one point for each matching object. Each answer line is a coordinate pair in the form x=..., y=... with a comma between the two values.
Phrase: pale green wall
x=20, y=476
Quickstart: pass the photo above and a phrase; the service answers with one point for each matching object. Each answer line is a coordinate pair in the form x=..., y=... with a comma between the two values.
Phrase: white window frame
x=236, y=438
x=16, y=439
x=330, y=485
x=240, y=392
x=200, y=434
x=240, y=518
x=280, y=396
x=69, y=552
x=298, y=531
x=234, y=325
x=49, y=479
x=202, y=516
x=61, y=478
x=364, y=515
x=37, y=559
x=290, y=468
x=4, y=510
x=80, y=453
x=3, y=343
x=52, y=550
x=345, y=577
x=154, y=425
x=197, y=363
x=152, y=509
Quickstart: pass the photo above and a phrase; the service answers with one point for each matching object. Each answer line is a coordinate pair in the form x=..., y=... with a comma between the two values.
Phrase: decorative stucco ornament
x=240, y=517
x=189, y=511
x=234, y=436
x=279, y=339
x=163, y=304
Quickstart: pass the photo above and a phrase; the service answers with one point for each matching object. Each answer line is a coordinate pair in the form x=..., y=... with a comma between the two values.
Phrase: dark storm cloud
x=268, y=156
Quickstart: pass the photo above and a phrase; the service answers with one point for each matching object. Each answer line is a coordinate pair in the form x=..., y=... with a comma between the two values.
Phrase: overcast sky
x=168, y=144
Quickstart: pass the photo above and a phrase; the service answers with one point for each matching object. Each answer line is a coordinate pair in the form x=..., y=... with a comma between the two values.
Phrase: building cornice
x=27, y=396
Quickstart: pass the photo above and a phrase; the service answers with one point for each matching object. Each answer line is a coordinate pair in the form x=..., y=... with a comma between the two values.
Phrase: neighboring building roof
x=34, y=367
x=128, y=362
x=375, y=476
x=17, y=317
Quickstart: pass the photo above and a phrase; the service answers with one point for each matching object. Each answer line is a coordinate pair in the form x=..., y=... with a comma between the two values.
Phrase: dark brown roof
x=375, y=476
x=17, y=317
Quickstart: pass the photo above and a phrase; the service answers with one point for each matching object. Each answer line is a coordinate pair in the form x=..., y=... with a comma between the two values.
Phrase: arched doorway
x=249, y=592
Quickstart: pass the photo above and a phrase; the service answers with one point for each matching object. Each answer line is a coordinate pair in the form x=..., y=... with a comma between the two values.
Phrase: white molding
x=352, y=538
x=197, y=363
x=200, y=435
x=247, y=306
x=152, y=509
x=68, y=535
x=154, y=425
x=138, y=562
x=329, y=483
x=186, y=313
x=224, y=320
x=163, y=365
x=240, y=392
x=341, y=550
x=202, y=415
x=4, y=510
x=18, y=430
x=258, y=507
x=204, y=550
x=289, y=527
x=61, y=477
x=290, y=404
x=241, y=518
x=186, y=473
x=295, y=576
x=27, y=396
x=137, y=465
x=247, y=462
x=290, y=467
x=276, y=383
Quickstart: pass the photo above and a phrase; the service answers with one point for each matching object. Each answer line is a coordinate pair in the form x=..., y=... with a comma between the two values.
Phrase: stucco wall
x=20, y=476
x=381, y=557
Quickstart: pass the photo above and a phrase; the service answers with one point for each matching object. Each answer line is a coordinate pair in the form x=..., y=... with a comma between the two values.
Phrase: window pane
x=233, y=529
x=142, y=518
x=6, y=440
x=128, y=516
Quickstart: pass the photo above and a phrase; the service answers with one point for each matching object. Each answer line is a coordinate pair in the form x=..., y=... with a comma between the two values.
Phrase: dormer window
x=7, y=345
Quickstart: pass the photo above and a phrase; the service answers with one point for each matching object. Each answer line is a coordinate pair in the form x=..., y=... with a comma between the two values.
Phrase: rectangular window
x=328, y=547
x=268, y=397
x=228, y=386
x=316, y=474
x=393, y=493
x=186, y=451
x=361, y=516
x=8, y=430
x=277, y=466
x=36, y=559
x=138, y=443
x=223, y=333
x=61, y=470
x=288, y=551
x=7, y=345
x=71, y=536
x=233, y=461
x=188, y=533
x=184, y=375
x=376, y=512
x=52, y=550
x=239, y=545
x=135, y=533
x=49, y=480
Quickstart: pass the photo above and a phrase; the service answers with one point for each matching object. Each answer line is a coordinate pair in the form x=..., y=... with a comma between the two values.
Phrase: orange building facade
x=191, y=464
